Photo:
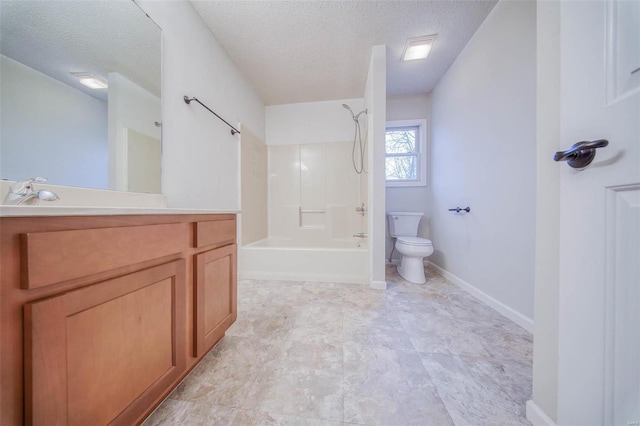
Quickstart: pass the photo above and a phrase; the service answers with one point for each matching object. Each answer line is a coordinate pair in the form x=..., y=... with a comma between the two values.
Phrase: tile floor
x=306, y=353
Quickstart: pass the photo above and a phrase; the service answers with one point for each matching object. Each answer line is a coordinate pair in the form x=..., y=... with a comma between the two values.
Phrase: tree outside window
x=406, y=153
x=401, y=150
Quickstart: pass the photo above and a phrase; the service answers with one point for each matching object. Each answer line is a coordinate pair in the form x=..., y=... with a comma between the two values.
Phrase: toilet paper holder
x=458, y=209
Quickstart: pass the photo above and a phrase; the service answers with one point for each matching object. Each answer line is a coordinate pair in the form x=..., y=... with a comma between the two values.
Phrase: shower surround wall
x=313, y=187
x=313, y=193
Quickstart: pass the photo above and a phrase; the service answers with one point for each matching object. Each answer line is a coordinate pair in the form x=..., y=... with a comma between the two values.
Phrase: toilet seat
x=414, y=241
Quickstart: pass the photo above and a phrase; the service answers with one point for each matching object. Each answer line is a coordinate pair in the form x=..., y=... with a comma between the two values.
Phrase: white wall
x=130, y=107
x=311, y=122
x=483, y=155
x=71, y=130
x=412, y=198
x=375, y=102
x=200, y=156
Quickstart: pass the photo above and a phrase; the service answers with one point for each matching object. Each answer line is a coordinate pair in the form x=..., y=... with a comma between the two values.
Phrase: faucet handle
x=23, y=185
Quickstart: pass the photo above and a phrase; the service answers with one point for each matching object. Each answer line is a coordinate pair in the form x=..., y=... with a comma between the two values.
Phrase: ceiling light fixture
x=418, y=47
x=90, y=80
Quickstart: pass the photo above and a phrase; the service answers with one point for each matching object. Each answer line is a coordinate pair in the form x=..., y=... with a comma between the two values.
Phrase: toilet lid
x=415, y=241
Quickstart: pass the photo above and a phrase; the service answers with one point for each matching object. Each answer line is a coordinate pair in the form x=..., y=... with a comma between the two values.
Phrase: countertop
x=17, y=211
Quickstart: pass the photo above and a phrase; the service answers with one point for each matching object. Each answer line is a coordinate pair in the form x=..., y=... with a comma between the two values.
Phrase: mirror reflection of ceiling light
x=417, y=47
x=90, y=80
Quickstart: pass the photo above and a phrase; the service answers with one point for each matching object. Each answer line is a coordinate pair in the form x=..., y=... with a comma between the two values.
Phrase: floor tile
x=226, y=374
x=385, y=319
x=313, y=324
x=366, y=299
x=470, y=396
x=190, y=413
x=260, y=418
x=441, y=334
x=389, y=386
x=302, y=355
x=308, y=353
x=512, y=376
x=423, y=408
x=376, y=337
x=257, y=324
x=300, y=392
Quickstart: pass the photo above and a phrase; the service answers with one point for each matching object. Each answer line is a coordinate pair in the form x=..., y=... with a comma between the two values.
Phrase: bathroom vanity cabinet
x=102, y=316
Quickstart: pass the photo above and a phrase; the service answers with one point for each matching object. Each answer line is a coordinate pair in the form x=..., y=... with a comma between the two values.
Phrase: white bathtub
x=343, y=261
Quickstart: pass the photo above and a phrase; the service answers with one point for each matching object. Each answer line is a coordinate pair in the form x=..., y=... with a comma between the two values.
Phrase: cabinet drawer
x=52, y=257
x=215, y=232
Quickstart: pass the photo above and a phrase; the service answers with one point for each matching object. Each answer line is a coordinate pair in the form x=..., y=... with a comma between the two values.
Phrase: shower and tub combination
x=317, y=213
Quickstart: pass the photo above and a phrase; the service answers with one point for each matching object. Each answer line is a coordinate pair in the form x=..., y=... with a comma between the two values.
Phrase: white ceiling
x=302, y=51
x=57, y=37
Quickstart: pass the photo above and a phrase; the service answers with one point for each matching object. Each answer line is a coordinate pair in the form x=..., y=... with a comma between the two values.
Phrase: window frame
x=420, y=154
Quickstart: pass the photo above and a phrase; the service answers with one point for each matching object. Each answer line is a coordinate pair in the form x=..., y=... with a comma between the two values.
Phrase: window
x=405, y=153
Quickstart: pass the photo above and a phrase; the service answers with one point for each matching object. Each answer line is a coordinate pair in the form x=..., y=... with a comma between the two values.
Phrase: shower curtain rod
x=188, y=100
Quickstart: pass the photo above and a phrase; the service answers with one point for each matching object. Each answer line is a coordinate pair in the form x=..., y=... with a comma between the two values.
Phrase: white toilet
x=403, y=226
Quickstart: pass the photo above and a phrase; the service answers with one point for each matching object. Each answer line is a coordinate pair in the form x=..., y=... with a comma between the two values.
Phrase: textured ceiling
x=301, y=51
x=100, y=36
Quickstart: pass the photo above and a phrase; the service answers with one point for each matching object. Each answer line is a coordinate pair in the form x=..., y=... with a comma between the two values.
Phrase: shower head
x=354, y=115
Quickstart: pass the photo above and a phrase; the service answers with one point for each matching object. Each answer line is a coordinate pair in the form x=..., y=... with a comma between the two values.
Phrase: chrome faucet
x=22, y=192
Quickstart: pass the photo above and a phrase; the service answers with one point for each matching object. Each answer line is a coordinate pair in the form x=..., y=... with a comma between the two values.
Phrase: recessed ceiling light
x=417, y=47
x=90, y=80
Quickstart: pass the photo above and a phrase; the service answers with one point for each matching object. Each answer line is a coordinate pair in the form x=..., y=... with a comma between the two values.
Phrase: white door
x=599, y=293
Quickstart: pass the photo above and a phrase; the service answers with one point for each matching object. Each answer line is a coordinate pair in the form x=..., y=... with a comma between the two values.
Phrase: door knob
x=581, y=154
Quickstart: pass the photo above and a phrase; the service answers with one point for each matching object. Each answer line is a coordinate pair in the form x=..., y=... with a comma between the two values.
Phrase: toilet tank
x=404, y=224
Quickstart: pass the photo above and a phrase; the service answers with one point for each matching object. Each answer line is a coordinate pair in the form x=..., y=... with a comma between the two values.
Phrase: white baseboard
x=536, y=416
x=512, y=314
x=378, y=285
x=324, y=278
x=397, y=261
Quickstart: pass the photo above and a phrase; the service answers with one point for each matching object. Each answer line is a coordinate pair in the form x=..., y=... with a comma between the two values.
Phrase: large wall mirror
x=80, y=94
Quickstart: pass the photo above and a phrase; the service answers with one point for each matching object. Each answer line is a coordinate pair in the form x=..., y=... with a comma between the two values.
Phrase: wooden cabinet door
x=215, y=296
x=105, y=353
